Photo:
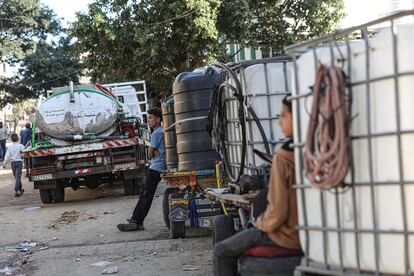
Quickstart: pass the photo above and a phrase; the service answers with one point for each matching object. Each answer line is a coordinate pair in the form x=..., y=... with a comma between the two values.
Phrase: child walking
x=13, y=156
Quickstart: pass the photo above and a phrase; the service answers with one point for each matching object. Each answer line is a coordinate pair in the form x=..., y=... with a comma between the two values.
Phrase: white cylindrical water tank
x=87, y=110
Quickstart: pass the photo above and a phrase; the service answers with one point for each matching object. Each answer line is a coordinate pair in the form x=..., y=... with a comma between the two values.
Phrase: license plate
x=42, y=177
x=124, y=166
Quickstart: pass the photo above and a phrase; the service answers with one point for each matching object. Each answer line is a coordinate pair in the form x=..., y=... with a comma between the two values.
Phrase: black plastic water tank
x=192, y=91
x=170, y=139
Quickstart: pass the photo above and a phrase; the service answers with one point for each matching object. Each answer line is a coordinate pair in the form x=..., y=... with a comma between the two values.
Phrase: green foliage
x=123, y=40
x=24, y=27
x=281, y=24
x=51, y=65
x=12, y=91
x=233, y=20
x=27, y=107
x=151, y=40
x=22, y=22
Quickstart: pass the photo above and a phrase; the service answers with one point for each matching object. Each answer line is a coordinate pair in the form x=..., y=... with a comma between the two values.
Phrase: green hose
x=43, y=145
x=34, y=133
x=87, y=90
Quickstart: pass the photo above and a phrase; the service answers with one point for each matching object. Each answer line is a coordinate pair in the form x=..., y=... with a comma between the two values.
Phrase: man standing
x=3, y=137
x=157, y=155
x=25, y=137
x=26, y=134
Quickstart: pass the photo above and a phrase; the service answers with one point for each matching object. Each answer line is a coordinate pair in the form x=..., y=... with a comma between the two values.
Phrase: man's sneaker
x=21, y=191
x=130, y=226
x=16, y=194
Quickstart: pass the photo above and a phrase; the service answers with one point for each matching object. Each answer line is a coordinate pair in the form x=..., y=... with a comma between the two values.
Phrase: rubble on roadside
x=66, y=218
x=21, y=254
x=110, y=270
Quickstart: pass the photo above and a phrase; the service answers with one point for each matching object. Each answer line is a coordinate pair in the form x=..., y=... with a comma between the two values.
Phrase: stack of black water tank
x=170, y=139
x=192, y=92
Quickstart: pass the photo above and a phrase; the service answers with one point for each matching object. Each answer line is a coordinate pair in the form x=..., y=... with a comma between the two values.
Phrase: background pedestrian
x=13, y=156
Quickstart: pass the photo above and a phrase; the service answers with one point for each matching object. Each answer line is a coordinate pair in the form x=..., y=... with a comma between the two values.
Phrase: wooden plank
x=228, y=198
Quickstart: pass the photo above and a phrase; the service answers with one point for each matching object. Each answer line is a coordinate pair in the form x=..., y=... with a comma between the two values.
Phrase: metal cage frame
x=234, y=145
x=331, y=40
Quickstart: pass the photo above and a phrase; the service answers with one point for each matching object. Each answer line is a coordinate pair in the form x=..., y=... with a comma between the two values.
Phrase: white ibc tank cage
x=367, y=227
x=264, y=84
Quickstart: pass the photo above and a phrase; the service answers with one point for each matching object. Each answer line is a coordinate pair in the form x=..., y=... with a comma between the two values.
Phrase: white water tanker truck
x=87, y=135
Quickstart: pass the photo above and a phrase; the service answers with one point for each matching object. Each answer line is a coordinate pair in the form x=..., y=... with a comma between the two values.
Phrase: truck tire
x=139, y=184
x=129, y=187
x=177, y=229
x=46, y=196
x=92, y=182
x=222, y=228
x=166, y=205
x=58, y=194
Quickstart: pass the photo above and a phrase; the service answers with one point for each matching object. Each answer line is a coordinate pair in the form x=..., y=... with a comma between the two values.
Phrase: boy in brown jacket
x=276, y=226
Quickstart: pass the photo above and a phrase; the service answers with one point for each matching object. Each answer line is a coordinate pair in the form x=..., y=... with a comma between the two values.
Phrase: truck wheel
x=139, y=185
x=222, y=228
x=58, y=194
x=166, y=205
x=92, y=182
x=177, y=229
x=46, y=195
x=129, y=187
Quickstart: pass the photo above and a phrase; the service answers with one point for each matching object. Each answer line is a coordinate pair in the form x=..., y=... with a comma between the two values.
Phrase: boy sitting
x=276, y=226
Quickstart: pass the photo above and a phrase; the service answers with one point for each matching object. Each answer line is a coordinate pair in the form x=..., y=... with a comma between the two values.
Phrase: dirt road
x=73, y=235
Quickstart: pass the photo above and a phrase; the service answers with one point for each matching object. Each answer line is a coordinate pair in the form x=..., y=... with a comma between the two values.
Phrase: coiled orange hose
x=327, y=147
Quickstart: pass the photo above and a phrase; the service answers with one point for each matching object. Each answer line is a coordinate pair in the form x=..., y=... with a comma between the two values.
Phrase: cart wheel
x=177, y=229
x=46, y=195
x=166, y=205
x=222, y=228
x=58, y=194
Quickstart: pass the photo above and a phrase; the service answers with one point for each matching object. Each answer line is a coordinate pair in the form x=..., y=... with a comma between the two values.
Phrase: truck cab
x=133, y=94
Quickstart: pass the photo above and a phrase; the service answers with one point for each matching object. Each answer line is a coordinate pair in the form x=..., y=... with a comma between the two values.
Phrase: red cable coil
x=327, y=147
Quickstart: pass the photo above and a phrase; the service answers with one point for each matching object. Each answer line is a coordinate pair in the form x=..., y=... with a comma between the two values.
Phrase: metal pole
x=352, y=168
x=296, y=105
x=400, y=159
x=370, y=159
x=242, y=216
x=71, y=95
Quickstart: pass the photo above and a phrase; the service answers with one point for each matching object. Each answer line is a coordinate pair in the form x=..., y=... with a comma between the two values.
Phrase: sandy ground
x=72, y=235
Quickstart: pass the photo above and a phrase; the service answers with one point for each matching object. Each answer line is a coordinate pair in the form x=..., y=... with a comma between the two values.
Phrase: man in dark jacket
x=26, y=135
